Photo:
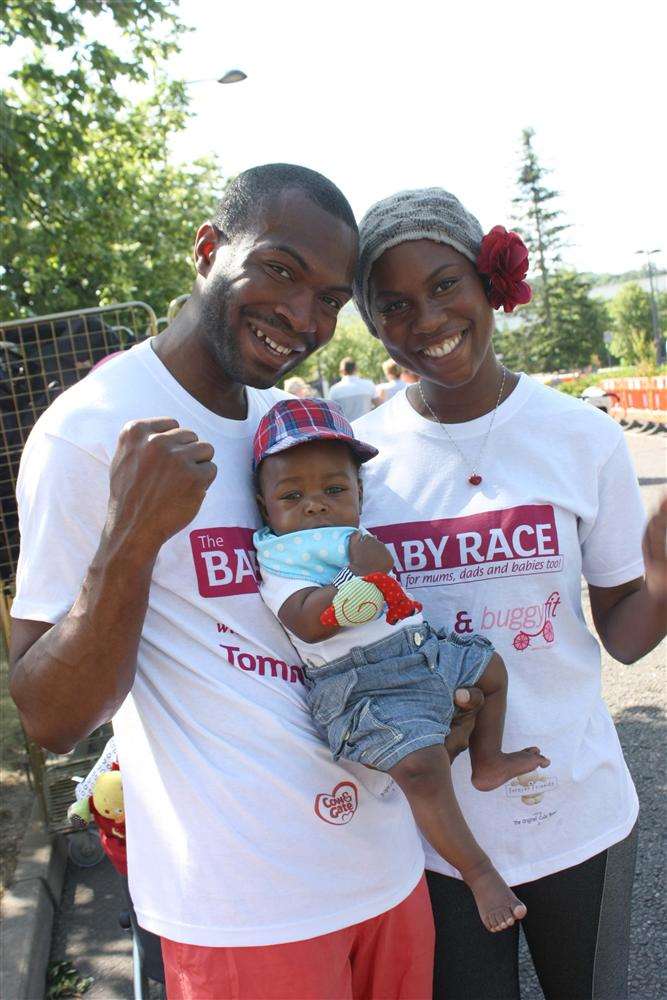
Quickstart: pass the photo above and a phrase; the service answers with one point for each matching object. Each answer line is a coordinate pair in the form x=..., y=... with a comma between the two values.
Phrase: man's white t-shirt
x=241, y=830
x=354, y=395
x=558, y=499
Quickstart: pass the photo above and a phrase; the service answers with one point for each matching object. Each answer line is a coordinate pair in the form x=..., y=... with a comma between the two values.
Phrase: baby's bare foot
x=498, y=907
x=495, y=771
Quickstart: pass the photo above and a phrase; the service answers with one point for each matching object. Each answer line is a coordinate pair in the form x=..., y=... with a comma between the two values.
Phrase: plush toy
x=105, y=806
x=361, y=599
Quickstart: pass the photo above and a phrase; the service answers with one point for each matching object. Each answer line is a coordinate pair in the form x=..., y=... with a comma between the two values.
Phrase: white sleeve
x=276, y=589
x=611, y=543
x=62, y=496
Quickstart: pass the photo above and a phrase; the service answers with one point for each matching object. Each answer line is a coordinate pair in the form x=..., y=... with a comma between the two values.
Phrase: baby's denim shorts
x=378, y=703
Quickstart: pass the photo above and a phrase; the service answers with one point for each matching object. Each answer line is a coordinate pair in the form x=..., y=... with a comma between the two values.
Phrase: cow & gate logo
x=225, y=561
x=339, y=806
x=517, y=541
x=531, y=788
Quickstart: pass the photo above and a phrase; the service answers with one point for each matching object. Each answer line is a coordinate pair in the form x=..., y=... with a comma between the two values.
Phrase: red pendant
x=475, y=479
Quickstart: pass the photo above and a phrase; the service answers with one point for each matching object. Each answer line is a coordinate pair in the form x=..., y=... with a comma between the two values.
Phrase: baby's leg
x=490, y=766
x=425, y=778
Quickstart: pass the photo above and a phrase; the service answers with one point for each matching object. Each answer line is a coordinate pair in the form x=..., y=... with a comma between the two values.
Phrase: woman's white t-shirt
x=559, y=499
x=241, y=829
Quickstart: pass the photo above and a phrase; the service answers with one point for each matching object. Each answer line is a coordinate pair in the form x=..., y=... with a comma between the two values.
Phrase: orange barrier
x=638, y=392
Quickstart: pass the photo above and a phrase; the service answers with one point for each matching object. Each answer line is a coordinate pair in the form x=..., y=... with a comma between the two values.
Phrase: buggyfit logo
x=513, y=542
x=224, y=561
x=339, y=806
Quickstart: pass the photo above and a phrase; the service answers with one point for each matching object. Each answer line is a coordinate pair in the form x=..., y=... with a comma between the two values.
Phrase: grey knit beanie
x=423, y=214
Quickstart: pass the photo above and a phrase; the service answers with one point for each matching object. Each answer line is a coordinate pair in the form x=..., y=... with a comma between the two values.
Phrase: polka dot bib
x=314, y=555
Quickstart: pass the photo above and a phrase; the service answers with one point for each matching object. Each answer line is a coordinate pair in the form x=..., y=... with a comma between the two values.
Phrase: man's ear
x=361, y=490
x=207, y=241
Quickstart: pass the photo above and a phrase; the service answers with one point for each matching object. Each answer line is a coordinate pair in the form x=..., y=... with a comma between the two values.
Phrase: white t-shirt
x=241, y=830
x=276, y=589
x=559, y=498
x=354, y=395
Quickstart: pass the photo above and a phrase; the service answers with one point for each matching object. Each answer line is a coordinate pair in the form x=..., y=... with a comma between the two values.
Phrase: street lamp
x=231, y=76
x=655, y=323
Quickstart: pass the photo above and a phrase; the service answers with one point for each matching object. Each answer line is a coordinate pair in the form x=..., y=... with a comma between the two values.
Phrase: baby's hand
x=368, y=554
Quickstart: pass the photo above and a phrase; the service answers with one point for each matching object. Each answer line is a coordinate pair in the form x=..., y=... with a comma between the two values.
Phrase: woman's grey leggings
x=577, y=929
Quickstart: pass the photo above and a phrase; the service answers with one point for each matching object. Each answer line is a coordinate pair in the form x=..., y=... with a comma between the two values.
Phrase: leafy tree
x=351, y=339
x=512, y=344
x=91, y=210
x=632, y=328
x=575, y=337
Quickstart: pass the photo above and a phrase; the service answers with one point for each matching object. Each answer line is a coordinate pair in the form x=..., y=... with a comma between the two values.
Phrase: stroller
x=99, y=799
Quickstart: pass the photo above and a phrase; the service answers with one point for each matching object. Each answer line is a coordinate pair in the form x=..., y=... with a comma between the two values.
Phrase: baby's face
x=315, y=485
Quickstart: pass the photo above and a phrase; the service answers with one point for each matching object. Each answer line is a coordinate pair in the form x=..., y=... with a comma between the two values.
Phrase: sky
x=381, y=96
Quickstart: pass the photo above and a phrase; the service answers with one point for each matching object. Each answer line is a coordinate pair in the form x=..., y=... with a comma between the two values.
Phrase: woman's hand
x=368, y=554
x=468, y=702
x=654, y=547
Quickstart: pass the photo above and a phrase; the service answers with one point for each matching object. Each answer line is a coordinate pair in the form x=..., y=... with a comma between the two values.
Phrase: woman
x=496, y=494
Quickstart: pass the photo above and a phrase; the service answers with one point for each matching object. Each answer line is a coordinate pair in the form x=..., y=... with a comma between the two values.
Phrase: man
x=392, y=373
x=354, y=395
x=266, y=868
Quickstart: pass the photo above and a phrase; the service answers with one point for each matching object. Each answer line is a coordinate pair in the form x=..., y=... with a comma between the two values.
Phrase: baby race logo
x=518, y=541
x=225, y=561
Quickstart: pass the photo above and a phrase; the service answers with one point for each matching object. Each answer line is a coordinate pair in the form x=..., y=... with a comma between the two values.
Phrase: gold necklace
x=474, y=478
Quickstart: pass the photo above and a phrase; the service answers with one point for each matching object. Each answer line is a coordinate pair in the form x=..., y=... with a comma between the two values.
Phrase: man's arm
x=69, y=678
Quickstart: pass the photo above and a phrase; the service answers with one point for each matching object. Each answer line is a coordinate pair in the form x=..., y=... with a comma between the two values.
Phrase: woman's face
x=430, y=309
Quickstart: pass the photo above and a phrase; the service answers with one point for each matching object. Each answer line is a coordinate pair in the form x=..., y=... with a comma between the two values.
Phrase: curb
x=29, y=907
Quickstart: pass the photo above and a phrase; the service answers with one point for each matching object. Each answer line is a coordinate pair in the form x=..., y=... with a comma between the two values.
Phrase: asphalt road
x=87, y=932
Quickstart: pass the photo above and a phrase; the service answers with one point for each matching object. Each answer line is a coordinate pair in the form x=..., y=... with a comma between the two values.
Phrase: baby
x=381, y=691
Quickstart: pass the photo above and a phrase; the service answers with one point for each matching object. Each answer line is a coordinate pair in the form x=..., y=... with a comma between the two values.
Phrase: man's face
x=272, y=294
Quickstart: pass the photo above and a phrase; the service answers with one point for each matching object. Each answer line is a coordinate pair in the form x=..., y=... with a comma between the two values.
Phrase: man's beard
x=222, y=343
x=218, y=334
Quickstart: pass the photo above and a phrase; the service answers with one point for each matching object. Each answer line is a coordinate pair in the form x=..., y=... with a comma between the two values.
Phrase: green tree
x=562, y=326
x=575, y=337
x=351, y=339
x=540, y=222
x=630, y=311
x=91, y=210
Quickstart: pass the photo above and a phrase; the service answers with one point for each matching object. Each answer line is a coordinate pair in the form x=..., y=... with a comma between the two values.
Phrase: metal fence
x=39, y=358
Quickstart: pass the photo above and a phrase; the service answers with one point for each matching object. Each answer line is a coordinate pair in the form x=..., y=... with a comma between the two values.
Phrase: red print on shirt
x=339, y=806
x=224, y=561
x=512, y=542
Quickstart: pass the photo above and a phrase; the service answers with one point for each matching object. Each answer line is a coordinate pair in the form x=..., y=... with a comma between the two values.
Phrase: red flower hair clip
x=503, y=259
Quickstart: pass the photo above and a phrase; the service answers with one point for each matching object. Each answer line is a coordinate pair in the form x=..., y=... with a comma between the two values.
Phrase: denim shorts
x=378, y=703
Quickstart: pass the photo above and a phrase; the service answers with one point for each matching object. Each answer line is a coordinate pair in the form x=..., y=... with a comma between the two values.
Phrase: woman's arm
x=631, y=619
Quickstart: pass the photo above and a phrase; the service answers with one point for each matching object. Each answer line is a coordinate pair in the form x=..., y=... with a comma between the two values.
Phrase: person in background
x=385, y=390
x=408, y=377
x=355, y=396
x=297, y=386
